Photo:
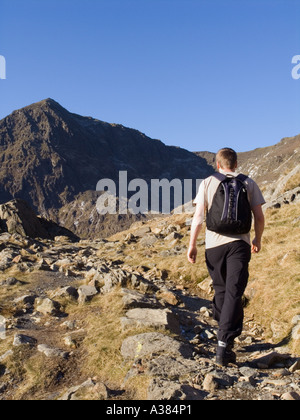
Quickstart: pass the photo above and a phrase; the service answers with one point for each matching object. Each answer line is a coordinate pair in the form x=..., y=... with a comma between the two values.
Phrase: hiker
x=228, y=200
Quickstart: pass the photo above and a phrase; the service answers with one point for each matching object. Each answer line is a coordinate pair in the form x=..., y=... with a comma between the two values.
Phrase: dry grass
x=101, y=349
x=274, y=273
x=292, y=183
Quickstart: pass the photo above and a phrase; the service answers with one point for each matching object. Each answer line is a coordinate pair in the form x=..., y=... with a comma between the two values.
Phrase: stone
x=151, y=318
x=52, y=352
x=171, y=367
x=6, y=355
x=73, y=339
x=86, y=293
x=133, y=299
x=248, y=373
x=210, y=383
x=19, y=218
x=26, y=299
x=88, y=390
x=111, y=280
x=296, y=332
x=148, y=241
x=222, y=379
x=270, y=359
x=164, y=390
x=47, y=306
x=65, y=292
x=207, y=286
x=168, y=296
x=173, y=236
x=21, y=339
x=154, y=343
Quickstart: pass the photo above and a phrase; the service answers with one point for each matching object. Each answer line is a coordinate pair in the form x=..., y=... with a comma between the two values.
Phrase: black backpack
x=230, y=213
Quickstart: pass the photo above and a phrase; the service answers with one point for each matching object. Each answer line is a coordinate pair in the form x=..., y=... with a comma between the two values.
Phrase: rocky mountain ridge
x=53, y=159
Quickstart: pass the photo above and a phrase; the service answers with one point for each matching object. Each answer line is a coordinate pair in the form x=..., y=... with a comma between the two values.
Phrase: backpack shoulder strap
x=220, y=177
x=242, y=177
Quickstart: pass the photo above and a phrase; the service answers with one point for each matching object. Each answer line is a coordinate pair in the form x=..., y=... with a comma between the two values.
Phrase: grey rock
x=222, y=379
x=154, y=343
x=21, y=339
x=66, y=292
x=133, y=299
x=248, y=372
x=270, y=359
x=6, y=355
x=86, y=293
x=52, y=352
x=47, y=306
x=151, y=318
x=163, y=390
x=210, y=383
x=90, y=388
x=171, y=367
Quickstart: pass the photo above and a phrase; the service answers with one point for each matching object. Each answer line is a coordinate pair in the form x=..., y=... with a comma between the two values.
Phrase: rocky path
x=167, y=335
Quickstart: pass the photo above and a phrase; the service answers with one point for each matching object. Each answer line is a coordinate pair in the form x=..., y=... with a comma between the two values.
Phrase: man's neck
x=226, y=171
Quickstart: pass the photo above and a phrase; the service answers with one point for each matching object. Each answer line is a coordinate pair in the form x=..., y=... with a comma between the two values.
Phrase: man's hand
x=192, y=254
x=256, y=246
x=259, y=225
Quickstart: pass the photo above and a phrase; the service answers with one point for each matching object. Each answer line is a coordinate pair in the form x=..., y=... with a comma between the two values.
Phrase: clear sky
x=199, y=74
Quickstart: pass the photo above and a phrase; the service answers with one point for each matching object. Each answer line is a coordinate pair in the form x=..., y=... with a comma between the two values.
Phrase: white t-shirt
x=205, y=196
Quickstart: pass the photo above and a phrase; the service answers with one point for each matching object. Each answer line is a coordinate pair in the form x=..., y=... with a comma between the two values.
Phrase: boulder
x=270, y=359
x=132, y=299
x=164, y=390
x=154, y=343
x=88, y=390
x=151, y=318
x=17, y=216
x=21, y=339
x=47, y=306
x=86, y=293
x=52, y=352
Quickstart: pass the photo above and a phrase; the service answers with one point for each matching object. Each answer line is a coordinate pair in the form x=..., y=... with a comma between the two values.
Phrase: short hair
x=227, y=158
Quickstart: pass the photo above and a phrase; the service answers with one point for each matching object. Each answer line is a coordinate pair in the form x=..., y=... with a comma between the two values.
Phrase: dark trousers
x=228, y=266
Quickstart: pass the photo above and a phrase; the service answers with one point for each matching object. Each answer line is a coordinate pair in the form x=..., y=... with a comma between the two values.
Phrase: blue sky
x=199, y=74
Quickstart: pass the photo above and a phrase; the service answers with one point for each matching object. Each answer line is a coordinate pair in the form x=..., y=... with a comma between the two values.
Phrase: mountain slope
x=271, y=167
x=49, y=156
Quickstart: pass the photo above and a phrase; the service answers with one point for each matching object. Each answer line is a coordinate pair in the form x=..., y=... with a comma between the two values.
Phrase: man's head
x=227, y=159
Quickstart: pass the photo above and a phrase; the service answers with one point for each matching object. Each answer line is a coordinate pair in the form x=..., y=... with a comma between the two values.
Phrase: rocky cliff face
x=49, y=156
x=17, y=217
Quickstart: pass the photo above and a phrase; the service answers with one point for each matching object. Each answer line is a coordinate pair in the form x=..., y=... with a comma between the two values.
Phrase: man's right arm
x=197, y=225
x=259, y=226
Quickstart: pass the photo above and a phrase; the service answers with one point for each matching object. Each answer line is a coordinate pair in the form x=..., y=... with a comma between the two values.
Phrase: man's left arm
x=259, y=226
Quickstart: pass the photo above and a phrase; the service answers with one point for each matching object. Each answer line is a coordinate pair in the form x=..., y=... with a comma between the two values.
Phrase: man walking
x=228, y=200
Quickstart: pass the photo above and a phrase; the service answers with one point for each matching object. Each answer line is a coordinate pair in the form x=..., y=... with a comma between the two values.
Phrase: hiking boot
x=225, y=355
